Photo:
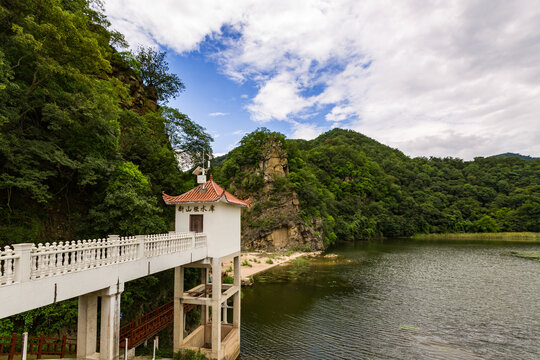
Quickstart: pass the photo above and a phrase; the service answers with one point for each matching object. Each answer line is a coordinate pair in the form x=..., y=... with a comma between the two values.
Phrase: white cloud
x=445, y=78
x=278, y=98
x=306, y=131
x=218, y=114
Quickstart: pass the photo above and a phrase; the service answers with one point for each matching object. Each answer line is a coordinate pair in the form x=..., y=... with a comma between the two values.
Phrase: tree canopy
x=85, y=151
x=361, y=188
x=154, y=70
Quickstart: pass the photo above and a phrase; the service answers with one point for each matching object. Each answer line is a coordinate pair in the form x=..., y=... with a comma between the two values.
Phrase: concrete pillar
x=87, y=326
x=110, y=323
x=204, y=280
x=204, y=309
x=216, y=308
x=178, y=322
x=23, y=265
x=224, y=317
x=236, y=297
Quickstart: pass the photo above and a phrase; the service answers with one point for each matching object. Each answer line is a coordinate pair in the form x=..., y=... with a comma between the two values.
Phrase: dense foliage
x=85, y=150
x=361, y=188
x=77, y=157
x=154, y=71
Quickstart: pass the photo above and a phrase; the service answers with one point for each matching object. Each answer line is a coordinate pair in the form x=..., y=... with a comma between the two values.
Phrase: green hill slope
x=350, y=187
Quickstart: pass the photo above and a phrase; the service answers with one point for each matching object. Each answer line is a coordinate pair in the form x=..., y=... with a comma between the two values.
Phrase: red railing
x=147, y=325
x=153, y=322
x=39, y=346
x=137, y=331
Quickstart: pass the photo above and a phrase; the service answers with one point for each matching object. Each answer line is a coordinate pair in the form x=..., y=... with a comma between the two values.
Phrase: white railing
x=160, y=244
x=200, y=240
x=7, y=266
x=23, y=262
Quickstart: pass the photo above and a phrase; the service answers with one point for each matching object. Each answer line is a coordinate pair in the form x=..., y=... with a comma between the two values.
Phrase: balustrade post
x=113, y=240
x=12, y=346
x=63, y=351
x=140, y=240
x=40, y=345
x=23, y=265
x=193, y=235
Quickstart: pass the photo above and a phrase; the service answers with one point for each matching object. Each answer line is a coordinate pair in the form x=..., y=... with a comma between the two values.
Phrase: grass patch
x=300, y=261
x=503, y=236
x=532, y=255
x=246, y=263
x=269, y=261
x=227, y=279
x=188, y=354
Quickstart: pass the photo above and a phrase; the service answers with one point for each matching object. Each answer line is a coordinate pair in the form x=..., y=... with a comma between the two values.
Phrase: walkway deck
x=48, y=273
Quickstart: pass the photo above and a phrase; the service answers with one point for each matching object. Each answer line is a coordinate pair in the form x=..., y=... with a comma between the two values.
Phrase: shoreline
x=524, y=237
x=253, y=263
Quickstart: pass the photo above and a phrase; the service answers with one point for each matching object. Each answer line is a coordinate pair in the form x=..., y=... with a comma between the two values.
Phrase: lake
x=397, y=299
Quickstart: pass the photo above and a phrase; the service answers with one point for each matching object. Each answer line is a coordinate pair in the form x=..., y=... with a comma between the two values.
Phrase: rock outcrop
x=273, y=221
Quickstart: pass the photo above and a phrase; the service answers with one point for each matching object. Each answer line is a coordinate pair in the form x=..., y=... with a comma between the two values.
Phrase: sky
x=457, y=78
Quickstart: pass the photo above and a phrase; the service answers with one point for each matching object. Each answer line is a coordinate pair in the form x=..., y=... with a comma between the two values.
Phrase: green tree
x=154, y=71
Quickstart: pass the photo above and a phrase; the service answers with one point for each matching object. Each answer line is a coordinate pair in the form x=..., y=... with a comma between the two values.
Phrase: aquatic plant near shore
x=502, y=236
x=532, y=255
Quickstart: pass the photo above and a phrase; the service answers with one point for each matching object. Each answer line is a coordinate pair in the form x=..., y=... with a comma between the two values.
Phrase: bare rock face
x=272, y=222
x=142, y=98
x=274, y=162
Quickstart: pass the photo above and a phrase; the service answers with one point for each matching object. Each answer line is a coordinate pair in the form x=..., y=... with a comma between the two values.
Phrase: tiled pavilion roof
x=207, y=192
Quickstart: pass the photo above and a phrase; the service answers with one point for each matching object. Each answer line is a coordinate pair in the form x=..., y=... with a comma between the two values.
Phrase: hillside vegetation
x=359, y=188
x=86, y=145
x=85, y=150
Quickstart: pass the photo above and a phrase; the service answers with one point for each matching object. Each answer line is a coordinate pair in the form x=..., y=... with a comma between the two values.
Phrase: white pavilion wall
x=222, y=226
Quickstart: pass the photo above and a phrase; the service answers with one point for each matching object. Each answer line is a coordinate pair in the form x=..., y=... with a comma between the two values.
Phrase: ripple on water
x=397, y=300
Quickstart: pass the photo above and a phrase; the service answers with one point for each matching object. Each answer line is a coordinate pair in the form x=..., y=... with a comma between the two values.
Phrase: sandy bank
x=253, y=263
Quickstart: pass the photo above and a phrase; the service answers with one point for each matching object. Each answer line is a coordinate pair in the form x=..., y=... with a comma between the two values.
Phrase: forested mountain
x=508, y=154
x=85, y=147
x=86, y=143
x=360, y=188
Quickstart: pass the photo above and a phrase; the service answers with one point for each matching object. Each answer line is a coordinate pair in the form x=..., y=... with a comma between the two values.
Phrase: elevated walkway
x=48, y=273
x=136, y=332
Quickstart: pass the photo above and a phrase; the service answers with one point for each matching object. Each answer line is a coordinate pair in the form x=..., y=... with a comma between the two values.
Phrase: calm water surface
x=397, y=299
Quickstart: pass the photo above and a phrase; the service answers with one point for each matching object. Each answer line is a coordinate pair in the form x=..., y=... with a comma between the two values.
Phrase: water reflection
x=397, y=300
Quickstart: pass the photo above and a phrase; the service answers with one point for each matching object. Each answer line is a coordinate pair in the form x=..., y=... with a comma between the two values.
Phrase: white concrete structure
x=32, y=276
x=211, y=209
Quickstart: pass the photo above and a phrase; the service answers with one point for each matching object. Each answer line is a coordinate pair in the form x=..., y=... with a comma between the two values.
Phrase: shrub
x=246, y=263
x=188, y=354
x=269, y=261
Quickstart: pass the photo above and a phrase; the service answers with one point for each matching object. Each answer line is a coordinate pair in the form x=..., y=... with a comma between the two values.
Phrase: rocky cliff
x=273, y=221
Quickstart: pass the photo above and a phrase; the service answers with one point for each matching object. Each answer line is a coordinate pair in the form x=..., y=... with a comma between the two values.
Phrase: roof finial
x=201, y=172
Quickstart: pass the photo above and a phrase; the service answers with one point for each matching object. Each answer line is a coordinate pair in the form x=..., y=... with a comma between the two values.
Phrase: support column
x=216, y=308
x=204, y=309
x=224, y=317
x=109, y=348
x=237, y=297
x=87, y=326
x=178, y=322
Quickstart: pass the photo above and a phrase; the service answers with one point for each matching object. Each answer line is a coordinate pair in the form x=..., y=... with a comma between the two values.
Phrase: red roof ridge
x=214, y=193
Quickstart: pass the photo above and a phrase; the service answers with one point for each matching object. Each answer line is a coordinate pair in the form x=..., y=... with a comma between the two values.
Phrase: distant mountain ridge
x=509, y=154
x=343, y=185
